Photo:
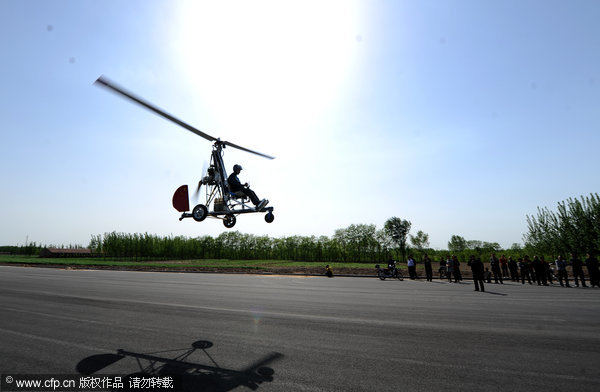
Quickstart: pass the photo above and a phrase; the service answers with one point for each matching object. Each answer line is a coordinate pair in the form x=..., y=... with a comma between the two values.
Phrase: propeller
x=104, y=82
x=197, y=192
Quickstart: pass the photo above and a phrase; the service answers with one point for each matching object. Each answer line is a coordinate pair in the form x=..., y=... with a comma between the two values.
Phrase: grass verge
x=222, y=265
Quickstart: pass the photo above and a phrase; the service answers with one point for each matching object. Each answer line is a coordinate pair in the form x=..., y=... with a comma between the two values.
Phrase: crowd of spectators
x=536, y=270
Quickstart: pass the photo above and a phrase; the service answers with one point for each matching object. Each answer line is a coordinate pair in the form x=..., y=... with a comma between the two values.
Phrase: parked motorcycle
x=393, y=273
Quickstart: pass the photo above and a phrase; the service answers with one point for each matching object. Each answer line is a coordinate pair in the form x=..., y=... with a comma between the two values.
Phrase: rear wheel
x=229, y=221
x=199, y=213
x=381, y=275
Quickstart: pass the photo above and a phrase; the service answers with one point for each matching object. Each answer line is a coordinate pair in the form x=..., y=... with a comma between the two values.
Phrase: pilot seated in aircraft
x=236, y=186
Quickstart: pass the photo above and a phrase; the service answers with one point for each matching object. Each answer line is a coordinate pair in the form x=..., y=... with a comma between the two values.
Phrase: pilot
x=236, y=186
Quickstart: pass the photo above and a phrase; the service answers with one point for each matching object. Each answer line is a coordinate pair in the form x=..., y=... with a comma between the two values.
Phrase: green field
x=225, y=264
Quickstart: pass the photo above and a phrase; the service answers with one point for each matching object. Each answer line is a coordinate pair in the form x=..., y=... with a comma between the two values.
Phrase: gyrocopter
x=221, y=202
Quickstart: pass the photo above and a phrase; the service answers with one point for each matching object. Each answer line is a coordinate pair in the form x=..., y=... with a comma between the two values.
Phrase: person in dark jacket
x=577, y=267
x=561, y=267
x=477, y=270
x=547, y=270
x=495, y=265
x=524, y=269
x=236, y=186
x=428, y=270
x=457, y=274
x=514, y=269
x=592, y=266
x=540, y=273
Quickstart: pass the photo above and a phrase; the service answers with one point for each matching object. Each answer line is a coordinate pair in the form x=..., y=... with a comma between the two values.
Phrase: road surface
x=290, y=333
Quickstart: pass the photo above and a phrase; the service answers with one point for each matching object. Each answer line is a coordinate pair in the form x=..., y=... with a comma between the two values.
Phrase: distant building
x=60, y=252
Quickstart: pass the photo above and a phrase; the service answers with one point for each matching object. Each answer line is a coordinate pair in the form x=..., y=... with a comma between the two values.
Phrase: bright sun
x=269, y=62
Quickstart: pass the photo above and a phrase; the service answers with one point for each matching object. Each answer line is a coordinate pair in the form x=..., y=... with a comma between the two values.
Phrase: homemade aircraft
x=226, y=205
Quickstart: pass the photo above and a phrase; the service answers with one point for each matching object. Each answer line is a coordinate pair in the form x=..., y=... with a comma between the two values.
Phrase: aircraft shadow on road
x=186, y=375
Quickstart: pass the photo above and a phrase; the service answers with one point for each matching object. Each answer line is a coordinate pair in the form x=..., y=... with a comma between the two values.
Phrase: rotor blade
x=116, y=88
x=248, y=150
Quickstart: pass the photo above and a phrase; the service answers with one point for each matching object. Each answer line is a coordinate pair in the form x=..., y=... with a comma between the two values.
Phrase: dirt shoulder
x=225, y=270
x=270, y=270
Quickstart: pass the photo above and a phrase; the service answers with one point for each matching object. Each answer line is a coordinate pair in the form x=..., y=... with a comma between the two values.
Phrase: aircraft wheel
x=229, y=221
x=269, y=217
x=199, y=213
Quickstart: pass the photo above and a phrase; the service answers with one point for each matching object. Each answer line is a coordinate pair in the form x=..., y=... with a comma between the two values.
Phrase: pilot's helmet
x=237, y=167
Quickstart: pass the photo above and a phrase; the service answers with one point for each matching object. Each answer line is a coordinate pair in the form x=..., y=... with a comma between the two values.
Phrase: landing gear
x=269, y=217
x=227, y=211
x=229, y=221
x=199, y=213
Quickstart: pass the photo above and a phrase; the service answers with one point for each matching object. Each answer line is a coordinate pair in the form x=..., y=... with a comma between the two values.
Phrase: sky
x=461, y=116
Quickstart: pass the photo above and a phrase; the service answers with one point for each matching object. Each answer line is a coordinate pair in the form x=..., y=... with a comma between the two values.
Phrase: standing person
x=531, y=269
x=449, y=268
x=513, y=268
x=428, y=270
x=524, y=269
x=592, y=266
x=547, y=270
x=412, y=268
x=577, y=267
x=561, y=266
x=495, y=264
x=477, y=270
x=504, y=266
x=540, y=273
x=457, y=274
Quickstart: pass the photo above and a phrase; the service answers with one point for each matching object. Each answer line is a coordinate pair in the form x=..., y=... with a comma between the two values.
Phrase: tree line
x=356, y=243
x=573, y=227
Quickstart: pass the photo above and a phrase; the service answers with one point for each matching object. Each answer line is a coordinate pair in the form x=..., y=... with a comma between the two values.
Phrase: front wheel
x=381, y=275
x=399, y=275
x=199, y=213
x=269, y=217
x=229, y=221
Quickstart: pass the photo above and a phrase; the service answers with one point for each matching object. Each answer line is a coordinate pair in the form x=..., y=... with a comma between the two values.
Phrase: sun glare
x=264, y=64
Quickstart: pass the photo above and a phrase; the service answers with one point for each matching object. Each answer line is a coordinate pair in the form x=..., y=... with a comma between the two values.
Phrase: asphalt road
x=286, y=333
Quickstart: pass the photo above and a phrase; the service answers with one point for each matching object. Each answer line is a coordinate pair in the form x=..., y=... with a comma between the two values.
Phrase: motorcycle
x=443, y=273
x=393, y=273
